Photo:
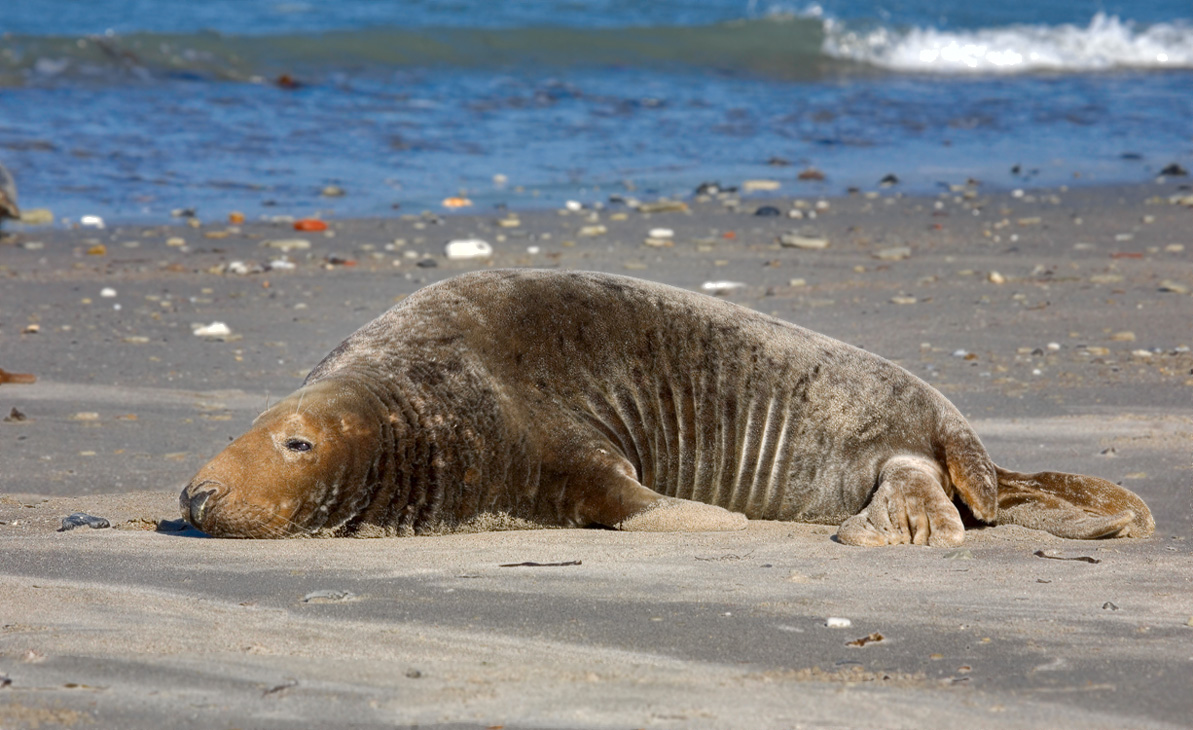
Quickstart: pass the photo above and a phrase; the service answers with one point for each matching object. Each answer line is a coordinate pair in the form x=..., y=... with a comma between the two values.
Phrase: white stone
x=468, y=248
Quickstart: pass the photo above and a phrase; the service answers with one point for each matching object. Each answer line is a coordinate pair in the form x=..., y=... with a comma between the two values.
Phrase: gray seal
x=578, y=399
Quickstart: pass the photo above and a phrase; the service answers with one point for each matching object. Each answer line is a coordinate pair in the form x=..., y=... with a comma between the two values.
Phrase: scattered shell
x=1124, y=336
x=510, y=222
x=176, y=241
x=754, y=186
x=97, y=250
x=996, y=278
x=332, y=191
x=836, y=622
x=1173, y=287
x=85, y=416
x=896, y=253
x=107, y=292
x=574, y=205
x=281, y=265
x=721, y=287
x=661, y=233
x=37, y=217
x=91, y=221
x=215, y=329
x=903, y=300
x=592, y=231
x=801, y=240
x=659, y=242
x=468, y=248
x=309, y=224
x=287, y=244
x=663, y=206
x=328, y=596
x=456, y=202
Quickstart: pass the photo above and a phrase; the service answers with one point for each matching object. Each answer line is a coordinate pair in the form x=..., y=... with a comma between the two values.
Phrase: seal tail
x=1071, y=505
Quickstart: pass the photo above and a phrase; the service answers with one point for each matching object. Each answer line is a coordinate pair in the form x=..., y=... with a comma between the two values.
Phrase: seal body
x=590, y=399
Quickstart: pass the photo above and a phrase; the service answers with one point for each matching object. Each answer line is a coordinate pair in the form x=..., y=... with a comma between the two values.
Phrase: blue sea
x=129, y=109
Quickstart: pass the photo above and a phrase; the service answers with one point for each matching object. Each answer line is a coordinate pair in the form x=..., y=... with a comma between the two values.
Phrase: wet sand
x=1057, y=320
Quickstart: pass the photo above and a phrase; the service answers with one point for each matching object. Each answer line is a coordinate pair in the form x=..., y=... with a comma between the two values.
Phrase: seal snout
x=194, y=501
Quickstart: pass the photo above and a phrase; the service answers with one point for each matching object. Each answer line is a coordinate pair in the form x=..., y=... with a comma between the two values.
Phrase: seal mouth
x=194, y=500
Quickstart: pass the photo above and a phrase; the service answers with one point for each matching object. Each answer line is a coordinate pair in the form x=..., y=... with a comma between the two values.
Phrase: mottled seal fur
x=581, y=399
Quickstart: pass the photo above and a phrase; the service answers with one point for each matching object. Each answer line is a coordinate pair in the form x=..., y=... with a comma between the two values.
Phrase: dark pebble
x=1174, y=170
x=891, y=179
x=708, y=188
x=15, y=416
x=778, y=162
x=768, y=210
x=427, y=263
x=81, y=519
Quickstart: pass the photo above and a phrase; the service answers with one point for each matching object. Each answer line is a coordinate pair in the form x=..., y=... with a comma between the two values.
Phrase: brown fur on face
x=297, y=470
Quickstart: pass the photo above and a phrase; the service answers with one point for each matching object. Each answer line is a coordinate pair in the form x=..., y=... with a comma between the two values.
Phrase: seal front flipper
x=1071, y=505
x=910, y=506
x=614, y=498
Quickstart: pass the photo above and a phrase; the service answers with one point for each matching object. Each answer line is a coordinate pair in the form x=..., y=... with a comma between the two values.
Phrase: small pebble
x=836, y=622
x=661, y=233
x=91, y=221
x=996, y=278
x=107, y=292
x=590, y=231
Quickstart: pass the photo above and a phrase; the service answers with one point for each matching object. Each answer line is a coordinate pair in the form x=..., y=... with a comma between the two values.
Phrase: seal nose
x=193, y=503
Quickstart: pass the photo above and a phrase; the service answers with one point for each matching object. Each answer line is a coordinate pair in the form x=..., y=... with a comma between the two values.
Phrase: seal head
x=298, y=470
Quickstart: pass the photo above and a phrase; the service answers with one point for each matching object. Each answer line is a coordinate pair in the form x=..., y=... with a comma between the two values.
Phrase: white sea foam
x=1106, y=43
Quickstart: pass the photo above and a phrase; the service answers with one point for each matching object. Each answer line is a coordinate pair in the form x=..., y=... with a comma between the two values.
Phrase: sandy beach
x=1057, y=320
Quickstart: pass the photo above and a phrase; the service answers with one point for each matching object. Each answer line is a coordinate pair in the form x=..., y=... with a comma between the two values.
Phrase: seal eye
x=298, y=445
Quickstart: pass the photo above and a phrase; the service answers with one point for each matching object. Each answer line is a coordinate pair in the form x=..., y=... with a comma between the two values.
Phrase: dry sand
x=1078, y=360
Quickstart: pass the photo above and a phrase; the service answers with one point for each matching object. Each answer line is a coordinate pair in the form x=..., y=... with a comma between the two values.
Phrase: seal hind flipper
x=970, y=470
x=910, y=506
x=1071, y=505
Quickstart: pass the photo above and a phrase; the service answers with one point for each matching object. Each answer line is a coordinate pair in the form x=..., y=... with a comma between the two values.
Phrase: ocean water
x=129, y=109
